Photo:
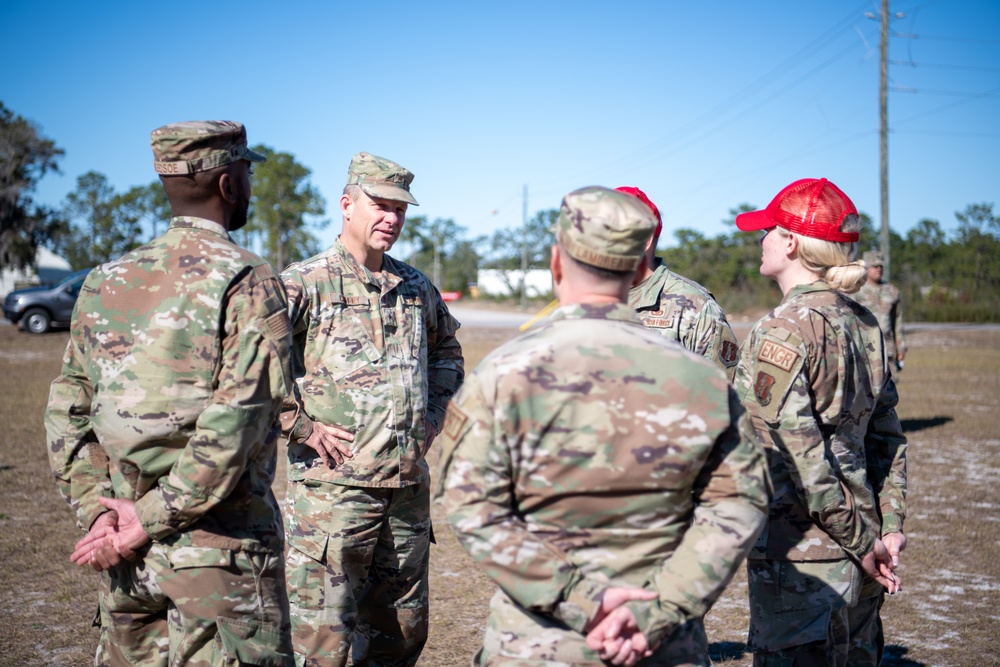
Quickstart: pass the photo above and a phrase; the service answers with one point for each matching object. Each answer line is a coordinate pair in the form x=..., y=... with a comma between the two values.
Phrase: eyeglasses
x=765, y=233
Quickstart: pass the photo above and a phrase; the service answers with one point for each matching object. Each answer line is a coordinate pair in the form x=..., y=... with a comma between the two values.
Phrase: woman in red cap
x=815, y=380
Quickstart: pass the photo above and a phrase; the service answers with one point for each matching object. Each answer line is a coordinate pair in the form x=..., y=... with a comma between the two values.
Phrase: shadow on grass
x=895, y=656
x=912, y=425
x=719, y=651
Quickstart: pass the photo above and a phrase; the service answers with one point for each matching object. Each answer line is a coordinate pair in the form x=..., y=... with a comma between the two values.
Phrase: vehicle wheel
x=37, y=321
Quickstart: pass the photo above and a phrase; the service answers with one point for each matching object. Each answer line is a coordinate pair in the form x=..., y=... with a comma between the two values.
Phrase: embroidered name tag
x=778, y=355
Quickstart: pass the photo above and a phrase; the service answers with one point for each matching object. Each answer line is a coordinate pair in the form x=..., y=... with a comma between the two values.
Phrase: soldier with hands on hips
x=376, y=360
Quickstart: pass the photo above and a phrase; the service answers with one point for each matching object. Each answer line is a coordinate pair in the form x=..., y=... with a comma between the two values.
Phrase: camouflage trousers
x=813, y=613
x=516, y=637
x=192, y=606
x=357, y=573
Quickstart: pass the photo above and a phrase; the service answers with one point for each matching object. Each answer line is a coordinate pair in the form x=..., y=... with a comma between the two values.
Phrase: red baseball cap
x=636, y=192
x=812, y=207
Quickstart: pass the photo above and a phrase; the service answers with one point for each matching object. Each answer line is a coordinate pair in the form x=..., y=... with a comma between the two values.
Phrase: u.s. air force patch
x=776, y=366
x=729, y=353
x=762, y=387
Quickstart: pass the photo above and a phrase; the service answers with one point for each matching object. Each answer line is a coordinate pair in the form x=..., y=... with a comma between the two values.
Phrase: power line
x=970, y=68
x=942, y=38
x=925, y=91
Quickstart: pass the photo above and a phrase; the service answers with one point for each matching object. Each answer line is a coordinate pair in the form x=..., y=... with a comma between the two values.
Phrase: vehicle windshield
x=71, y=277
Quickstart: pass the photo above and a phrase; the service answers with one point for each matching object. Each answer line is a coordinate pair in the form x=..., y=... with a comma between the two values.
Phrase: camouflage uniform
x=815, y=380
x=590, y=453
x=376, y=354
x=882, y=300
x=684, y=311
x=172, y=381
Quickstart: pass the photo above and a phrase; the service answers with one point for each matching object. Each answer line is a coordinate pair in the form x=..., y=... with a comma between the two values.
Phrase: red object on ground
x=451, y=296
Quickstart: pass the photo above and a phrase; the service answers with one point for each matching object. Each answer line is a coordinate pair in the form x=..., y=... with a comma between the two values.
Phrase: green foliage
x=25, y=157
x=534, y=239
x=103, y=225
x=439, y=251
x=283, y=208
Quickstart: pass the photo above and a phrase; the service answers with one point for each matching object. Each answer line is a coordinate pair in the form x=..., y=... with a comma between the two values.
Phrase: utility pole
x=524, y=251
x=884, y=135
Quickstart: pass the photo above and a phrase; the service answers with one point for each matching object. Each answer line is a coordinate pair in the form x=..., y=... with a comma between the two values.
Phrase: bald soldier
x=376, y=362
x=679, y=308
x=163, y=425
x=602, y=476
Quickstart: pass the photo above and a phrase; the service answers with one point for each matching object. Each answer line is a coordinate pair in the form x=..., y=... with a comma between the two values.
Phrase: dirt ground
x=947, y=614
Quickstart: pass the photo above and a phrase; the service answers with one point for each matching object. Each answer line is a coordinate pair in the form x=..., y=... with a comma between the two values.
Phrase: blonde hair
x=834, y=261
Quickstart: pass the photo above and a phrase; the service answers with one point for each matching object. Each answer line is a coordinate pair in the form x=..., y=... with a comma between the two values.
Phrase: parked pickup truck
x=38, y=309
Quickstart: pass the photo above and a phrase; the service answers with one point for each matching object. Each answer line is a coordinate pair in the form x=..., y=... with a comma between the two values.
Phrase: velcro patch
x=454, y=422
x=762, y=385
x=779, y=355
x=729, y=353
x=279, y=325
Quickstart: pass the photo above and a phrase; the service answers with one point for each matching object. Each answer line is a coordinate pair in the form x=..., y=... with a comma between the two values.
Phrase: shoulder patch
x=776, y=354
x=762, y=386
x=454, y=421
x=729, y=353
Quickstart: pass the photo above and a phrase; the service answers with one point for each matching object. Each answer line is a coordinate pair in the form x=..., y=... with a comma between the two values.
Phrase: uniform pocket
x=248, y=642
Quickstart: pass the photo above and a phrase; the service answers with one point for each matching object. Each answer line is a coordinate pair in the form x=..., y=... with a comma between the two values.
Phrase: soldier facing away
x=678, y=308
x=166, y=414
x=883, y=300
x=815, y=379
x=376, y=361
x=604, y=477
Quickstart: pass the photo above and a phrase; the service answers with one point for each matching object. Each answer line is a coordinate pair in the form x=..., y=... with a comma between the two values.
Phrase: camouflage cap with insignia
x=604, y=228
x=873, y=258
x=199, y=145
x=381, y=178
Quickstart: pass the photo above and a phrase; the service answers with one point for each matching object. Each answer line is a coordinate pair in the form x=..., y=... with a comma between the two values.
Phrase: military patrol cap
x=812, y=207
x=381, y=178
x=199, y=145
x=873, y=258
x=604, y=228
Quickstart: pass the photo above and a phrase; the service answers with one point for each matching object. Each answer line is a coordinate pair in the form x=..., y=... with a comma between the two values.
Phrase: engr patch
x=779, y=355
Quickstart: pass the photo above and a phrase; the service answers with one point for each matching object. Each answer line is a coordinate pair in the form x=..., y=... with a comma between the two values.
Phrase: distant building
x=50, y=268
x=498, y=282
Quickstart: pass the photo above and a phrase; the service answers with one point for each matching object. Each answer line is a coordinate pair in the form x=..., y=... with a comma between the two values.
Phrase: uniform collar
x=647, y=293
x=808, y=288
x=191, y=222
x=387, y=278
x=585, y=311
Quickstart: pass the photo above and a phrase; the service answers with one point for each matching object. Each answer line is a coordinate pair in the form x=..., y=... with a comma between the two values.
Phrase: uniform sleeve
x=475, y=488
x=445, y=364
x=782, y=395
x=295, y=423
x=731, y=494
x=897, y=325
x=78, y=462
x=252, y=380
x=885, y=451
x=713, y=338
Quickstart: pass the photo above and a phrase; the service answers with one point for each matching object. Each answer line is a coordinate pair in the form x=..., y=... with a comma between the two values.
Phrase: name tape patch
x=782, y=356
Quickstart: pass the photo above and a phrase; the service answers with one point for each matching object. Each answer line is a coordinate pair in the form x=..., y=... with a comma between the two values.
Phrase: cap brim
x=253, y=157
x=389, y=192
x=754, y=220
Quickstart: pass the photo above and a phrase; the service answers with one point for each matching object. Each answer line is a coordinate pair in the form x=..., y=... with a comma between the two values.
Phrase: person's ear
x=226, y=187
x=555, y=265
x=346, y=206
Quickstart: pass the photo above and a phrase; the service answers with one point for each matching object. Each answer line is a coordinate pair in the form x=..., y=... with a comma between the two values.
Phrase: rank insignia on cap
x=762, y=387
x=779, y=355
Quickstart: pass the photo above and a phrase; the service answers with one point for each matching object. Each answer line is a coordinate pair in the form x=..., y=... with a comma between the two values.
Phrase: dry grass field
x=947, y=614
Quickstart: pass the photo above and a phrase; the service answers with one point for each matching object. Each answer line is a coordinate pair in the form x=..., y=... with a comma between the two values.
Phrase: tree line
x=943, y=276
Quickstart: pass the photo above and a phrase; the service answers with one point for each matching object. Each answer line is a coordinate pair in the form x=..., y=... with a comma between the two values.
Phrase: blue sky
x=702, y=105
